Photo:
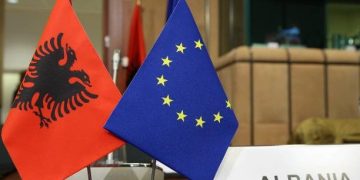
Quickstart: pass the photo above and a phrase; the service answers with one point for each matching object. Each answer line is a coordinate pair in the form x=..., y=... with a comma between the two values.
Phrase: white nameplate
x=291, y=162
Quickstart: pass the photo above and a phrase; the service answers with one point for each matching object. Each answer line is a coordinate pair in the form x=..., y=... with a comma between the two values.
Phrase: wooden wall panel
x=154, y=18
x=266, y=54
x=213, y=39
x=237, y=91
x=225, y=75
x=270, y=103
x=234, y=73
x=271, y=133
x=343, y=91
x=240, y=101
x=310, y=55
x=232, y=24
x=308, y=98
x=266, y=85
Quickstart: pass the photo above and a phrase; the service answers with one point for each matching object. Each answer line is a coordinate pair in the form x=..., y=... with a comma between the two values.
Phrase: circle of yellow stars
x=167, y=100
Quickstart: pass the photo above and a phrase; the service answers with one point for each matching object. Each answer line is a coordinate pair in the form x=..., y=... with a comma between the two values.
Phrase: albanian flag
x=136, y=50
x=54, y=128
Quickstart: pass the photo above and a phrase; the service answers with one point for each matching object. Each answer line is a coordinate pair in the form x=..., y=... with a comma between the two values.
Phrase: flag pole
x=153, y=168
x=116, y=60
x=89, y=172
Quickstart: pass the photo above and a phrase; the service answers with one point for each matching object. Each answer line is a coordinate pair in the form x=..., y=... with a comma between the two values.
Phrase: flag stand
x=116, y=59
x=153, y=168
x=89, y=172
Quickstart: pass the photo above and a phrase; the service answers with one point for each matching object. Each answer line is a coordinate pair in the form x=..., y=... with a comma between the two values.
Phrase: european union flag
x=175, y=108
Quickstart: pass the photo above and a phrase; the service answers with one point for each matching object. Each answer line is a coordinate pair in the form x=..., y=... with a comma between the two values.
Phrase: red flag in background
x=55, y=126
x=136, y=49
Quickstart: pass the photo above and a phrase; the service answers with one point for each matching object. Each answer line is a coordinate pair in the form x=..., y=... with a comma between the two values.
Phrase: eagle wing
x=23, y=97
x=44, y=57
x=71, y=97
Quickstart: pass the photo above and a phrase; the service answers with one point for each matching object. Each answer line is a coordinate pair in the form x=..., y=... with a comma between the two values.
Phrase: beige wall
x=24, y=24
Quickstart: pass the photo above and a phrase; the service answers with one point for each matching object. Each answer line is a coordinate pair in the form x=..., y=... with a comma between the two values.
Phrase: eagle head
x=85, y=78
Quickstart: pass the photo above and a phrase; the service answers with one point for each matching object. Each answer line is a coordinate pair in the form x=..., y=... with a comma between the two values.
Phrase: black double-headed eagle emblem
x=51, y=85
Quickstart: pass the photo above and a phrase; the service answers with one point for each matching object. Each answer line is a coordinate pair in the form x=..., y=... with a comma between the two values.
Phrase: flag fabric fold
x=136, y=48
x=55, y=125
x=175, y=109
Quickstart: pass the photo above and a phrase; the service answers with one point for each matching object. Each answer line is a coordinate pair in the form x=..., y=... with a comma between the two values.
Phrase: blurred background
x=291, y=68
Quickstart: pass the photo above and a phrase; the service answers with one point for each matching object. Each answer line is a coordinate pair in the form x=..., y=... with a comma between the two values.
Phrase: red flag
x=55, y=126
x=136, y=49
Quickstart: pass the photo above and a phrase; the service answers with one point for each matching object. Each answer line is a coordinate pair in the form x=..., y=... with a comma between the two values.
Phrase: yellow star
x=198, y=44
x=181, y=116
x=167, y=100
x=218, y=117
x=228, y=105
x=200, y=122
x=180, y=48
x=161, y=80
x=166, y=61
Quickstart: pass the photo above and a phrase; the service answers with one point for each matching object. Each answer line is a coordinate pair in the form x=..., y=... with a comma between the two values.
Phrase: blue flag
x=170, y=7
x=175, y=109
